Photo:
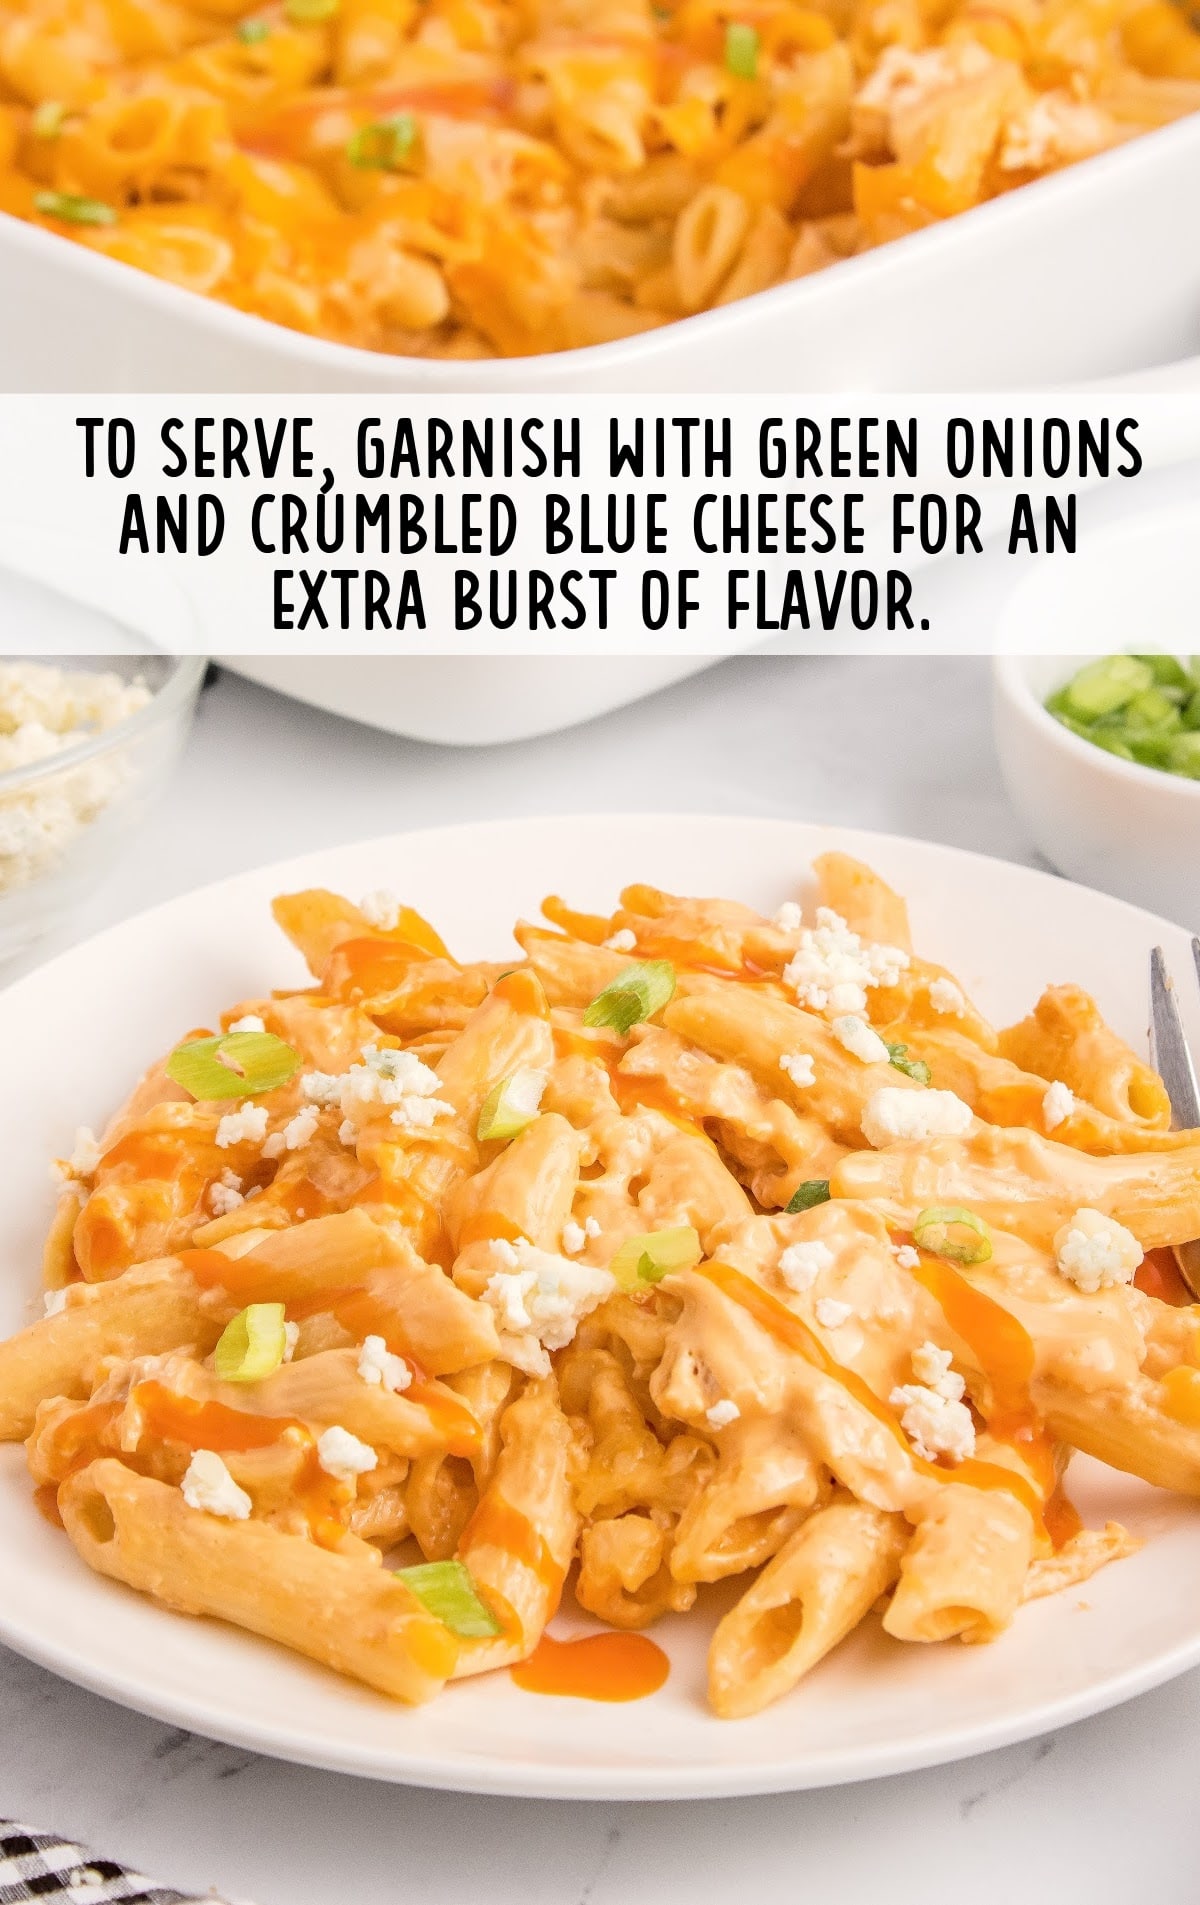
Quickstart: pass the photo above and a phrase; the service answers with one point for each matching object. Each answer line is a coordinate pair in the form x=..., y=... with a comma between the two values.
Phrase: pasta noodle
x=465, y=178
x=690, y=1246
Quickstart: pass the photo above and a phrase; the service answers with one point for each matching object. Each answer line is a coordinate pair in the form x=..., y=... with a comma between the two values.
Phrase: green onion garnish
x=637, y=994
x=940, y=1231
x=446, y=1590
x=253, y=32
x=911, y=1067
x=649, y=1258
x=1142, y=708
x=511, y=1105
x=74, y=210
x=309, y=12
x=252, y=1346
x=386, y=145
x=741, y=49
x=235, y=1065
x=814, y=1190
x=48, y=119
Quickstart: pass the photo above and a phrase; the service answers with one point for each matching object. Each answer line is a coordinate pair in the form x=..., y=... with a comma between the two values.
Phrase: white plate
x=74, y=1032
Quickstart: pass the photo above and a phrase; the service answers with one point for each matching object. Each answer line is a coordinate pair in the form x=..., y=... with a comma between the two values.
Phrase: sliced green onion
x=48, y=119
x=511, y=1104
x=741, y=49
x=911, y=1067
x=649, y=1258
x=253, y=32
x=252, y=1346
x=386, y=145
x=74, y=210
x=637, y=994
x=814, y=1190
x=235, y=1065
x=309, y=12
x=446, y=1590
x=940, y=1230
x=1183, y=756
x=1102, y=687
x=1153, y=708
x=1168, y=672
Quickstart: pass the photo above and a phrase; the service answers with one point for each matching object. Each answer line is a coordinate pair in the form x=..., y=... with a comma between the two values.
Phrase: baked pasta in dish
x=466, y=178
x=688, y=1246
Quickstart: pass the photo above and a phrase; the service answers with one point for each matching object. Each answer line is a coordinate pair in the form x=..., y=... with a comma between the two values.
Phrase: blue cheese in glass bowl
x=83, y=750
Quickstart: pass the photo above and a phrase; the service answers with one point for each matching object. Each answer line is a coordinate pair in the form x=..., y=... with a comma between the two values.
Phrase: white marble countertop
x=1098, y=1811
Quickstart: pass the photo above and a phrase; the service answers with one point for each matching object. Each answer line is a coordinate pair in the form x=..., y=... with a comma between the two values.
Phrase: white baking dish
x=1089, y=274
x=467, y=701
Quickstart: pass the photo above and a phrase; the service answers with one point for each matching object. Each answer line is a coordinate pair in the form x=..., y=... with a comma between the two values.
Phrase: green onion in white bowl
x=1143, y=708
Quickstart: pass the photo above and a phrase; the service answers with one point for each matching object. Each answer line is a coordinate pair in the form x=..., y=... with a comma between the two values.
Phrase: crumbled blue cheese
x=1057, y=1105
x=381, y=910
x=799, y=1068
x=934, y=1424
x=387, y=1077
x=833, y=967
x=576, y=1237
x=226, y=1194
x=892, y=1115
x=722, y=1414
x=86, y=1153
x=789, y=918
x=934, y=1416
x=539, y=1300
x=55, y=1301
x=623, y=941
x=378, y=1365
x=250, y=1023
x=291, y=1336
x=857, y=1038
x=801, y=1264
x=246, y=1126
x=931, y=1366
x=343, y=1456
x=295, y=1134
x=907, y=1257
x=946, y=997
x=209, y=1486
x=45, y=710
x=1094, y=1251
x=831, y=1314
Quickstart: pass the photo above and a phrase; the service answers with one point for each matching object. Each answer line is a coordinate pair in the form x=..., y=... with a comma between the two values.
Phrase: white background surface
x=1092, y=1812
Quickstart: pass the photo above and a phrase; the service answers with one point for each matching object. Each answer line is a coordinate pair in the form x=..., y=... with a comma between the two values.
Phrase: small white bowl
x=1131, y=830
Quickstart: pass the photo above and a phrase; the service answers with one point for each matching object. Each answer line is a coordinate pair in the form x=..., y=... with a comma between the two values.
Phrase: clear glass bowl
x=66, y=819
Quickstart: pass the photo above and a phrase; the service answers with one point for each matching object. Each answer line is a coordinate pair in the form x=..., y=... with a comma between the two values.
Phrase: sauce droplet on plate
x=608, y=1666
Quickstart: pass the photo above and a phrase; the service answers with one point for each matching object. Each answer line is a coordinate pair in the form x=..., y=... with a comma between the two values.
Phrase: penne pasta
x=697, y=1249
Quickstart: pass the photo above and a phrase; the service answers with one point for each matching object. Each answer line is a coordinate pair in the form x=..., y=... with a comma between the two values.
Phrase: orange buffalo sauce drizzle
x=1158, y=1276
x=215, y=1426
x=497, y=1524
x=790, y=1330
x=209, y=1425
x=1006, y=1355
x=609, y=1666
x=522, y=990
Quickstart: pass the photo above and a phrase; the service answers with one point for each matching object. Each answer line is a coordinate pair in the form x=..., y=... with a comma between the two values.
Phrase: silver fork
x=1171, y=1058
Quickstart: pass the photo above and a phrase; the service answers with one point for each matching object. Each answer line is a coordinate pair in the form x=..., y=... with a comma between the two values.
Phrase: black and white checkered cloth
x=40, y=1865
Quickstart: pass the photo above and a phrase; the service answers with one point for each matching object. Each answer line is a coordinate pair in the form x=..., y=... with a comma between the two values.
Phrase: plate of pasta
x=626, y=1353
